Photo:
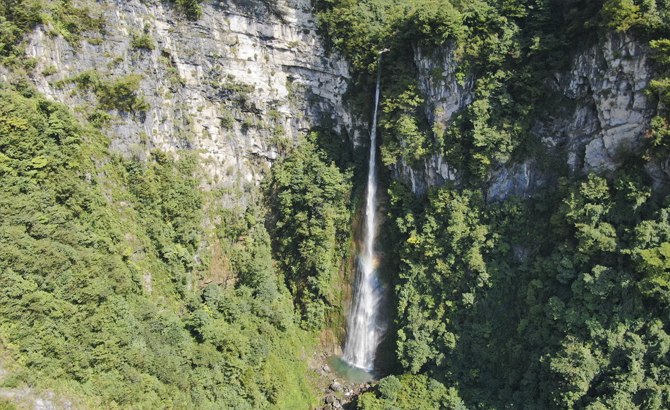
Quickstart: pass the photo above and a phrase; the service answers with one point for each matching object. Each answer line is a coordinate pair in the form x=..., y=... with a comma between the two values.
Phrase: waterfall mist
x=364, y=330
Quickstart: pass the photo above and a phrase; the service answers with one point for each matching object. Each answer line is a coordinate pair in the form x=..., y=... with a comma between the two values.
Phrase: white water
x=364, y=328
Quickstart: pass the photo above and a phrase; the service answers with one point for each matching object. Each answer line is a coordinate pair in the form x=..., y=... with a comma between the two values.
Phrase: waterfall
x=364, y=328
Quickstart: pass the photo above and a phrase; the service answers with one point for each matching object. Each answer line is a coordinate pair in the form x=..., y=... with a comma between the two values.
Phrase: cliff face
x=246, y=79
x=240, y=83
x=602, y=112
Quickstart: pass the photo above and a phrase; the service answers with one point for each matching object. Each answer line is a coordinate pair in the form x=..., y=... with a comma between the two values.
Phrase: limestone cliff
x=240, y=83
x=602, y=111
x=247, y=78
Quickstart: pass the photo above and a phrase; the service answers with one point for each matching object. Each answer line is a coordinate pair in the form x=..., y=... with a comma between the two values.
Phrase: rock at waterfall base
x=337, y=387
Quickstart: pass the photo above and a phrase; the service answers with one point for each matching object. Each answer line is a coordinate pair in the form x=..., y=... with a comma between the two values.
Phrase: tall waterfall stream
x=364, y=328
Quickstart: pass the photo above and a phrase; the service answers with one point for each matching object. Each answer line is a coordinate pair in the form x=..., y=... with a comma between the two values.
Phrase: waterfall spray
x=364, y=328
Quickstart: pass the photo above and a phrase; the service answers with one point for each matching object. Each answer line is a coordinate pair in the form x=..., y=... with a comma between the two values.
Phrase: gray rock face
x=439, y=82
x=239, y=84
x=517, y=179
x=434, y=171
x=336, y=386
x=611, y=113
x=445, y=95
x=244, y=81
x=604, y=113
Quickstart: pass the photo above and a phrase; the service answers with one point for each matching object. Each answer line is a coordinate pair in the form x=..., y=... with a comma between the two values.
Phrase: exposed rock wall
x=247, y=78
x=612, y=111
x=239, y=84
x=603, y=112
x=445, y=95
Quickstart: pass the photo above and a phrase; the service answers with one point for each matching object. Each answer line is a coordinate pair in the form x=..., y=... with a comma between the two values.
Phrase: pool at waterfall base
x=351, y=373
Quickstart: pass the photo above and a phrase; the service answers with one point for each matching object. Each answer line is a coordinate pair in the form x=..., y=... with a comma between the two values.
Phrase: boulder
x=336, y=386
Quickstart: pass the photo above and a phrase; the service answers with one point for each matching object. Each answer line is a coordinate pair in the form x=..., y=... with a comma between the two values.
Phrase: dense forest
x=83, y=232
x=555, y=301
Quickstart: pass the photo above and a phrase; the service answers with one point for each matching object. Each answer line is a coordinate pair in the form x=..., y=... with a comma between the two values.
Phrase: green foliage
x=143, y=42
x=433, y=22
x=49, y=70
x=410, y=392
x=621, y=15
x=656, y=24
x=507, y=48
x=99, y=262
x=120, y=95
x=189, y=8
x=649, y=18
x=560, y=301
x=662, y=47
x=452, y=227
x=654, y=266
x=71, y=22
x=280, y=139
x=557, y=302
x=227, y=120
x=99, y=118
x=401, y=121
x=7, y=405
x=247, y=124
x=309, y=200
x=169, y=205
x=237, y=86
x=18, y=17
x=389, y=387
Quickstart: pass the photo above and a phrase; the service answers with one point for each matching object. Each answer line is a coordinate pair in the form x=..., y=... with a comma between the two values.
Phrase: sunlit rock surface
x=239, y=84
x=603, y=112
x=246, y=79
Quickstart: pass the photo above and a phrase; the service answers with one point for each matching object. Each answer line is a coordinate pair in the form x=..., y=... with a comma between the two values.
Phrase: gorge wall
x=243, y=81
x=239, y=84
x=602, y=110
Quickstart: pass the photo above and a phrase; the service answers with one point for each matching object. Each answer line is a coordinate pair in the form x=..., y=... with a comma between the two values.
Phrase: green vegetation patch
x=410, y=392
x=120, y=94
x=505, y=49
x=143, y=42
x=18, y=18
x=309, y=200
x=100, y=266
x=189, y=8
x=71, y=22
x=554, y=302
